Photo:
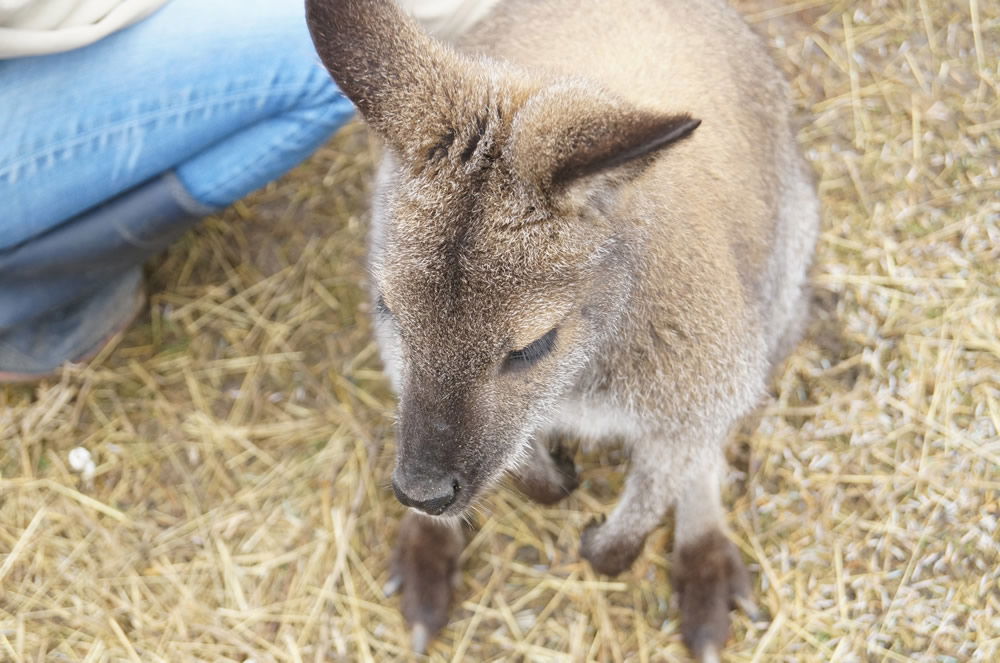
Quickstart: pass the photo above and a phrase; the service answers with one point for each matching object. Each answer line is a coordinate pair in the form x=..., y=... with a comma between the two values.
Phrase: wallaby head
x=498, y=267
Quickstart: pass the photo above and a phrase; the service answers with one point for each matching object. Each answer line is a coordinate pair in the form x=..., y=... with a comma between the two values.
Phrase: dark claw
x=420, y=637
x=750, y=609
x=564, y=462
x=393, y=585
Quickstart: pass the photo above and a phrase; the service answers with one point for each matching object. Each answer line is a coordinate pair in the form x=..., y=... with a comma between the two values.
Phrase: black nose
x=431, y=497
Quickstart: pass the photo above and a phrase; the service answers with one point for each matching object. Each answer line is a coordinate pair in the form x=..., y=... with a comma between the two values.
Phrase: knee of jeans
x=323, y=103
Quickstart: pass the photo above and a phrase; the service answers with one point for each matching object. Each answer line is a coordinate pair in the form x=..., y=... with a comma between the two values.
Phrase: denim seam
x=114, y=127
x=303, y=128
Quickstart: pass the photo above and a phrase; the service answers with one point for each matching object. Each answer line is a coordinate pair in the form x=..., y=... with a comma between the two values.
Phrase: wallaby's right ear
x=403, y=81
x=568, y=132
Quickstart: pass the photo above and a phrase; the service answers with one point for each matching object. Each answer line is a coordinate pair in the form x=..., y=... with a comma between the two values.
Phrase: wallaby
x=591, y=220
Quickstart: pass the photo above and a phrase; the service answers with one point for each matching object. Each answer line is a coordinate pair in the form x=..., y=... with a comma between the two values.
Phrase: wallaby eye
x=532, y=353
x=381, y=308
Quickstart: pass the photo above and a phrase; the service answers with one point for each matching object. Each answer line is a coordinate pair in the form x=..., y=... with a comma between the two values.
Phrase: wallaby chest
x=595, y=422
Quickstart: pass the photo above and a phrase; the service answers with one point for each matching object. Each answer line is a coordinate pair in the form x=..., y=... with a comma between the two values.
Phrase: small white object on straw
x=81, y=461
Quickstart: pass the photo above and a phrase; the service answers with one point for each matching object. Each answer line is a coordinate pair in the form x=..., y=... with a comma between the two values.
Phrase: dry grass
x=242, y=431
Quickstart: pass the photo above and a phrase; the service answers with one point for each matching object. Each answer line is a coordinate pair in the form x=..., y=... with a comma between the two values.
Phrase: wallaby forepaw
x=553, y=479
x=608, y=552
x=424, y=569
x=711, y=579
x=566, y=465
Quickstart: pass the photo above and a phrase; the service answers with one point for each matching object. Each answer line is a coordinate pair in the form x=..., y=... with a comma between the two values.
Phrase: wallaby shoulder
x=665, y=54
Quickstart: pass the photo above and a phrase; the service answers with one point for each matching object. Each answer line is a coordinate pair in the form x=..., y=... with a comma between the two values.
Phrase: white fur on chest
x=596, y=423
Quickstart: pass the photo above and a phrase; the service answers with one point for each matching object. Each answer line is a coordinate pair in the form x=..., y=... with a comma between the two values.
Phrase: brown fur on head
x=499, y=270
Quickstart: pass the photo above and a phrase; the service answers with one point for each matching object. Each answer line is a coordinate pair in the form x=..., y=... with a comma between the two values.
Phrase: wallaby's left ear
x=564, y=134
x=410, y=88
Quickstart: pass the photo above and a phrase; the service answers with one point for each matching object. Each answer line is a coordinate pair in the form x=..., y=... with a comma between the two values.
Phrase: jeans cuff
x=184, y=199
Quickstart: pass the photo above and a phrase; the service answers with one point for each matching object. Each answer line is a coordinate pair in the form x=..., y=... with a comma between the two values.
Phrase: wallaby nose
x=429, y=496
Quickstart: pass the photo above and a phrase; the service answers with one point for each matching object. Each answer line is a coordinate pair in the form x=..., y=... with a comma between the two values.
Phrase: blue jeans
x=227, y=95
x=108, y=152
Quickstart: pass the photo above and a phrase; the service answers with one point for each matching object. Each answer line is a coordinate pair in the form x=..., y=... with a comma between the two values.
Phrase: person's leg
x=224, y=100
x=231, y=99
x=65, y=293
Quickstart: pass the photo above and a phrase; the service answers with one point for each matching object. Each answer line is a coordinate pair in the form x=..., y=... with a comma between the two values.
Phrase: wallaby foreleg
x=612, y=546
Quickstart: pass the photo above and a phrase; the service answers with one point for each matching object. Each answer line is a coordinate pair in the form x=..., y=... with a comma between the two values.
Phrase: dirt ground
x=242, y=430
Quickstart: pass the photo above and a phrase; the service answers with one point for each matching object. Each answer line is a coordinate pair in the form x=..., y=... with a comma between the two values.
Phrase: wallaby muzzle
x=425, y=489
x=439, y=456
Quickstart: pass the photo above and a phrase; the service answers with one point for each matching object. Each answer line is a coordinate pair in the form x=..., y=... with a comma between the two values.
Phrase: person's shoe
x=74, y=333
x=65, y=293
x=86, y=253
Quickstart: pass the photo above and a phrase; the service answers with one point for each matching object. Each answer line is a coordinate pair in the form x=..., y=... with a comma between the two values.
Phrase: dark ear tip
x=686, y=127
x=638, y=136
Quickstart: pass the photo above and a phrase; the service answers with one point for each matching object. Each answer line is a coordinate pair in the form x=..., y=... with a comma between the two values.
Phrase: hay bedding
x=241, y=435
